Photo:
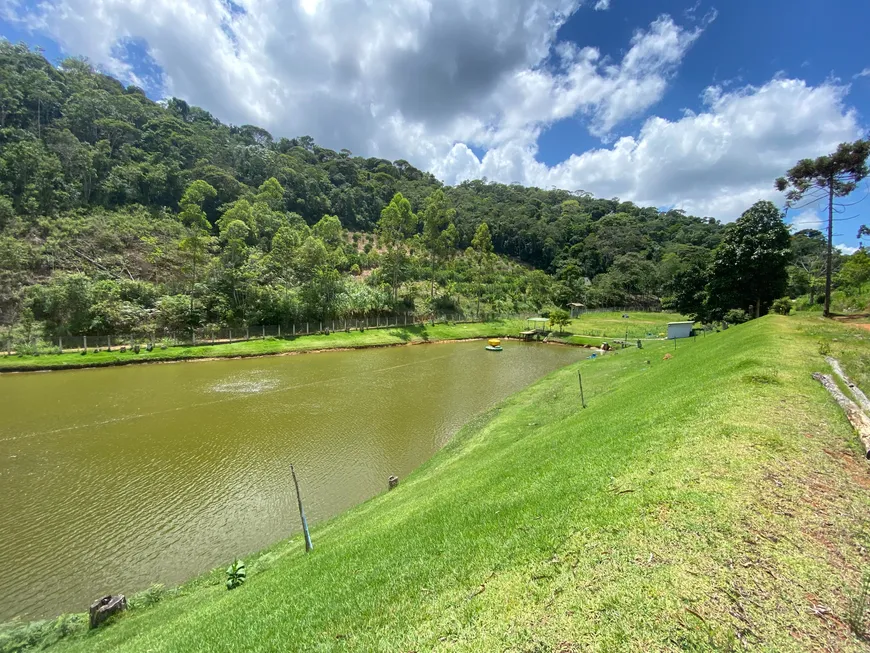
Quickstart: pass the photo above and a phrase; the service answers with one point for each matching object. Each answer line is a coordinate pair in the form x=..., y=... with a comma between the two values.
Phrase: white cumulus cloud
x=715, y=163
x=807, y=219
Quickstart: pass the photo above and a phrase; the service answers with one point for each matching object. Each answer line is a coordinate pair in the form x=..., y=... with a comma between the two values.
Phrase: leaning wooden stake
x=308, y=544
x=863, y=401
x=856, y=416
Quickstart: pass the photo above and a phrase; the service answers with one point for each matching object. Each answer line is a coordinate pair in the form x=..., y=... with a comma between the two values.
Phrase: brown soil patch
x=860, y=320
x=857, y=468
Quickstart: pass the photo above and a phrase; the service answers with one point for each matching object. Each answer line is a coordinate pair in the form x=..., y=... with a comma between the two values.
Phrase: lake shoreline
x=193, y=358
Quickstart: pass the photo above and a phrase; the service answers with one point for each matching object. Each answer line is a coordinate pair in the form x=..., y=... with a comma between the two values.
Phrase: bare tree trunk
x=830, y=256
x=432, y=287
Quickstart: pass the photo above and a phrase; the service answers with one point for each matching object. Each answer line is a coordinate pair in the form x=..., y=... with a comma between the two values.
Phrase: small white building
x=680, y=330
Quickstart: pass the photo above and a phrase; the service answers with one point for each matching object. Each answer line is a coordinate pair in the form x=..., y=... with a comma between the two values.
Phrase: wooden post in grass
x=582, y=398
x=308, y=544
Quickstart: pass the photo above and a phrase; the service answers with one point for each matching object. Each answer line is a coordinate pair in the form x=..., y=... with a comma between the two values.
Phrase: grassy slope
x=699, y=502
x=598, y=324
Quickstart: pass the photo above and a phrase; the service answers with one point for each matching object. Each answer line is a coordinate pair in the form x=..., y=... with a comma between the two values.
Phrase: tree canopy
x=120, y=213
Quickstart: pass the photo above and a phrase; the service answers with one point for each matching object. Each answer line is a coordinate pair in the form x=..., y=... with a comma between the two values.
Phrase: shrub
x=781, y=306
x=735, y=316
x=37, y=635
x=236, y=574
x=149, y=597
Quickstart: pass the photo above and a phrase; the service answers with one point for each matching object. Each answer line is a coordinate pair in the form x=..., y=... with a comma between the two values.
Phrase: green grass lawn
x=613, y=325
x=709, y=498
x=597, y=325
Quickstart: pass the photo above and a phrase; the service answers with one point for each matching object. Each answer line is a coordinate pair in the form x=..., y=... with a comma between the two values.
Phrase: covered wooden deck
x=537, y=328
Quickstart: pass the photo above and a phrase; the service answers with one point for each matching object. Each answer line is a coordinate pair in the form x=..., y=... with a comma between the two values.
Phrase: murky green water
x=112, y=479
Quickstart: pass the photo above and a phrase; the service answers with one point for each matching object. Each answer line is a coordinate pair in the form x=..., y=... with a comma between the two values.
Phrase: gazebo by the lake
x=535, y=326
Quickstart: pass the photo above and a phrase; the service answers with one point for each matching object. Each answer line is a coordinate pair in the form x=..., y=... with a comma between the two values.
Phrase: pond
x=113, y=479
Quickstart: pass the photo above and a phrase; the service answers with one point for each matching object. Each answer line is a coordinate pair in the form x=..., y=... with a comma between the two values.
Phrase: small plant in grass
x=236, y=574
x=149, y=597
x=859, y=606
x=824, y=347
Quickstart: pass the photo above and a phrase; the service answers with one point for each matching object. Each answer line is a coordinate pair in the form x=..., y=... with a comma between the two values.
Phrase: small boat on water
x=493, y=344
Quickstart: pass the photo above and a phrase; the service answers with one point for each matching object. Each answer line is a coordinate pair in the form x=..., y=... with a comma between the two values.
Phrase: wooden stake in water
x=582, y=398
x=308, y=544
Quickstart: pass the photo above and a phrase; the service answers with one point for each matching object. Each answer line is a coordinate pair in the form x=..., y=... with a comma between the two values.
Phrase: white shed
x=680, y=330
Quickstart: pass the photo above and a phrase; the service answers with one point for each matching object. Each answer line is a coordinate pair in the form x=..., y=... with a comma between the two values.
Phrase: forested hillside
x=118, y=213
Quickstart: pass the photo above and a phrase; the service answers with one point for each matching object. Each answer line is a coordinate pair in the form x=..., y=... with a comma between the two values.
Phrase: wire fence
x=209, y=335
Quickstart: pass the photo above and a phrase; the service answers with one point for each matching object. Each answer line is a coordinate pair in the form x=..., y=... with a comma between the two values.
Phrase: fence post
x=306, y=327
x=231, y=336
x=294, y=329
x=279, y=330
x=85, y=343
x=60, y=344
x=308, y=544
x=247, y=333
x=320, y=324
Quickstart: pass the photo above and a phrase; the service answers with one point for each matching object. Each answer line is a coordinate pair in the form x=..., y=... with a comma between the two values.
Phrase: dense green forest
x=119, y=214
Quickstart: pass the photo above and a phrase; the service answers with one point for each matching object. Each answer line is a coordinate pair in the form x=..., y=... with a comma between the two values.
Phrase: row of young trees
x=257, y=264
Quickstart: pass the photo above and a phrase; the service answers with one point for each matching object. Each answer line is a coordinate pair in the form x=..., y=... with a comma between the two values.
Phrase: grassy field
x=613, y=325
x=710, y=497
x=599, y=325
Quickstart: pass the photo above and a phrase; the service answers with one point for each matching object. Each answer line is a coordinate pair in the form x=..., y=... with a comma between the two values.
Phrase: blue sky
x=685, y=103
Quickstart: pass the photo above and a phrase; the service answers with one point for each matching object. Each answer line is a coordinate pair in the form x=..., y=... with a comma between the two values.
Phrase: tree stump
x=392, y=482
x=103, y=608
